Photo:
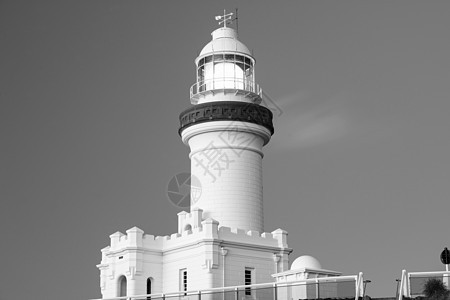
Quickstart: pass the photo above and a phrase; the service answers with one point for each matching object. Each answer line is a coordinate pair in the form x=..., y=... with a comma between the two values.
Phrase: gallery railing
x=340, y=287
x=225, y=83
x=412, y=284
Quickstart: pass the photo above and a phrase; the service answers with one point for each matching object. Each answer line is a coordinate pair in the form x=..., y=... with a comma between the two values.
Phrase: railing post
x=275, y=292
x=318, y=289
x=402, y=283
x=236, y=294
x=199, y=295
x=408, y=285
x=359, y=282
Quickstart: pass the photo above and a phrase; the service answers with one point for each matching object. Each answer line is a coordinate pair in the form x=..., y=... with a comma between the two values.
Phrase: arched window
x=188, y=227
x=149, y=287
x=122, y=286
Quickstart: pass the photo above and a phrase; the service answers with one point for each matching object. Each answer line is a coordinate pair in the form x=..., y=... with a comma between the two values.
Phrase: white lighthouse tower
x=226, y=131
x=220, y=242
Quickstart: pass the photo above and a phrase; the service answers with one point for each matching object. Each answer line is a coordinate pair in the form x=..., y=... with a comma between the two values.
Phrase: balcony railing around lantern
x=225, y=83
x=412, y=284
x=340, y=287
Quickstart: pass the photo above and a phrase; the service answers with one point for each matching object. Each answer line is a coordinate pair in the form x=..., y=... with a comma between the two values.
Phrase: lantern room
x=225, y=71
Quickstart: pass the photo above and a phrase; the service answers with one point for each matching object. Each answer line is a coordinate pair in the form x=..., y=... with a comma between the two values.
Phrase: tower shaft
x=226, y=141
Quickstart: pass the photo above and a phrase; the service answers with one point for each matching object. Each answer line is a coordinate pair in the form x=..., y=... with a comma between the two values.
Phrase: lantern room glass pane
x=226, y=75
x=229, y=57
x=208, y=76
x=218, y=57
x=201, y=79
x=225, y=71
x=249, y=78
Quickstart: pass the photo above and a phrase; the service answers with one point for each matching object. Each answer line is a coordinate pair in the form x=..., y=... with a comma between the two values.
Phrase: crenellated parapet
x=189, y=221
x=275, y=238
x=192, y=228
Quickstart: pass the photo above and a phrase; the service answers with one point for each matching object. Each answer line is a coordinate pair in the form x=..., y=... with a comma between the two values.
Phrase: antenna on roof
x=236, y=19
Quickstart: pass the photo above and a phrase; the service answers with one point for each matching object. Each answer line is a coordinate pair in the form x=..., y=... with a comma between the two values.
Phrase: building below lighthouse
x=221, y=240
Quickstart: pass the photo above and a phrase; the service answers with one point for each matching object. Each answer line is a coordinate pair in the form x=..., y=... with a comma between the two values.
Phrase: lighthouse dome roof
x=306, y=262
x=224, y=39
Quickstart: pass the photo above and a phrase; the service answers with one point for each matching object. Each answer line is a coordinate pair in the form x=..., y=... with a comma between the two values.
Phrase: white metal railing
x=412, y=283
x=327, y=286
x=224, y=83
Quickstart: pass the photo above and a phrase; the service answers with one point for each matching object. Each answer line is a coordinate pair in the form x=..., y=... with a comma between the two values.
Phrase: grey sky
x=358, y=171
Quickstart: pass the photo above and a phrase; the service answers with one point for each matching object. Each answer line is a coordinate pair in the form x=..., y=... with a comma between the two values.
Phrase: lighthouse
x=226, y=130
x=220, y=241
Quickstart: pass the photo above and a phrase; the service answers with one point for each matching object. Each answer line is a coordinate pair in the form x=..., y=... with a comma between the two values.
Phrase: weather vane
x=225, y=19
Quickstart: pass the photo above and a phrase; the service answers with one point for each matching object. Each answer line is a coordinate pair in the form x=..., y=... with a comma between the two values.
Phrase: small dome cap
x=224, y=39
x=305, y=262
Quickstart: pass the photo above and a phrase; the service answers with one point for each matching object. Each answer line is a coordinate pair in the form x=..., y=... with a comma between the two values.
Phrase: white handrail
x=418, y=274
x=356, y=278
x=405, y=281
